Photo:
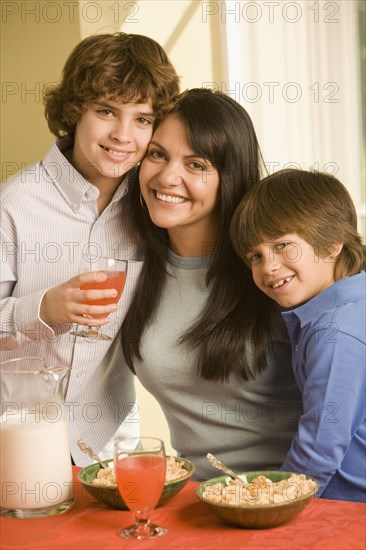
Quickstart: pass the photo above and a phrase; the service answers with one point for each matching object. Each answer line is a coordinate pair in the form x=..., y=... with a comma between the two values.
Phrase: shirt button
x=92, y=194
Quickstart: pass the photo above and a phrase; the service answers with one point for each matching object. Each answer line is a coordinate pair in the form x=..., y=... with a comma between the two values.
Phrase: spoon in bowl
x=216, y=463
x=84, y=447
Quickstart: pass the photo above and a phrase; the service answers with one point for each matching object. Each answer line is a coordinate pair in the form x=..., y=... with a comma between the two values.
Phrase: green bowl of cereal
x=267, y=499
x=100, y=483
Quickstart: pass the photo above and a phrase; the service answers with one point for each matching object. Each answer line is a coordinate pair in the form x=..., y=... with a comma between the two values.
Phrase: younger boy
x=113, y=88
x=297, y=231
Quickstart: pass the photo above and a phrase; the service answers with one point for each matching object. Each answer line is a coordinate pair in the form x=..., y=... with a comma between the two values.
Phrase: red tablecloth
x=324, y=524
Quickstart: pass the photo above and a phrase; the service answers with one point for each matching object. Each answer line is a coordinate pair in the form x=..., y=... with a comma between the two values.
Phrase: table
x=324, y=524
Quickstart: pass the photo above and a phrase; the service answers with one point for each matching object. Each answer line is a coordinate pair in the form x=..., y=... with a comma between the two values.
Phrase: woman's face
x=179, y=187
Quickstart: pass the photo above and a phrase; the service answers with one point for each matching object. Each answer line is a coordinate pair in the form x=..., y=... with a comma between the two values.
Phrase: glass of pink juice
x=116, y=273
x=140, y=467
x=114, y=280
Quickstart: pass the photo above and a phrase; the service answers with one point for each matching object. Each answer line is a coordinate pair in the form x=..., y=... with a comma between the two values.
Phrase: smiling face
x=110, y=139
x=289, y=271
x=180, y=189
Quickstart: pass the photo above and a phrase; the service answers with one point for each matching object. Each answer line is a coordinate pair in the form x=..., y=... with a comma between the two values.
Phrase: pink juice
x=141, y=481
x=114, y=280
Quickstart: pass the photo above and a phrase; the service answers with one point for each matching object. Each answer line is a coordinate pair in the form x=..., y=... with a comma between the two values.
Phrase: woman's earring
x=142, y=202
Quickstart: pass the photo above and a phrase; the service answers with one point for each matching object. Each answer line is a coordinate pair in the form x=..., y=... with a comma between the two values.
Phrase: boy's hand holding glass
x=103, y=289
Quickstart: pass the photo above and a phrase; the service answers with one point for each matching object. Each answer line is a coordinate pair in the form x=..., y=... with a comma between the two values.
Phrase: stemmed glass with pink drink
x=140, y=467
x=116, y=274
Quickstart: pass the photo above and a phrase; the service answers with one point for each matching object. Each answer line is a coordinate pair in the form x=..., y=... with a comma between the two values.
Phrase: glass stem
x=142, y=524
x=90, y=329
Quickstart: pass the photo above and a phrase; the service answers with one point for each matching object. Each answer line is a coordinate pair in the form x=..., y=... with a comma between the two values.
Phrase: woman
x=197, y=331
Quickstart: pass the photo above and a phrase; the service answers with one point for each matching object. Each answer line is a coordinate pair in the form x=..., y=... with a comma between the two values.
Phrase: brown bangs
x=119, y=67
x=314, y=205
x=267, y=212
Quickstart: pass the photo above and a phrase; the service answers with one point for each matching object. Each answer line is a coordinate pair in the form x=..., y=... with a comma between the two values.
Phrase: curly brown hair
x=119, y=67
x=315, y=205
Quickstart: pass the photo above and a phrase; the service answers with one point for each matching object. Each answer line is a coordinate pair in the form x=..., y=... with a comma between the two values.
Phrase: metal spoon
x=216, y=463
x=84, y=447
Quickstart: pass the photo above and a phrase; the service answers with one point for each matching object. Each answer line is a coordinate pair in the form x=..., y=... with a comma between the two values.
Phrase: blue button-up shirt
x=329, y=360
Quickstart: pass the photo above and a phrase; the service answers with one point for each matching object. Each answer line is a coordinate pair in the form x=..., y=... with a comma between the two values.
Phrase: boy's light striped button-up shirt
x=49, y=216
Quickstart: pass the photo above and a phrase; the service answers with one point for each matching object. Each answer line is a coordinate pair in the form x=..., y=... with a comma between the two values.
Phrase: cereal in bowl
x=261, y=491
x=174, y=470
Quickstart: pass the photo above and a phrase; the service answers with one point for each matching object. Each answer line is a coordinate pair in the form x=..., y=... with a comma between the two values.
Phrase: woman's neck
x=190, y=244
x=203, y=249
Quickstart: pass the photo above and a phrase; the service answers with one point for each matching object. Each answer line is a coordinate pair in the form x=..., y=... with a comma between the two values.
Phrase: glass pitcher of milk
x=35, y=461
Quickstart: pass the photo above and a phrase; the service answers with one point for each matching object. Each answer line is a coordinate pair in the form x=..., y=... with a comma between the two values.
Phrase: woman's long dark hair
x=232, y=333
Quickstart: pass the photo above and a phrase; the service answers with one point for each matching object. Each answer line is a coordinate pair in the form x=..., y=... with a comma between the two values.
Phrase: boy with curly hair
x=76, y=200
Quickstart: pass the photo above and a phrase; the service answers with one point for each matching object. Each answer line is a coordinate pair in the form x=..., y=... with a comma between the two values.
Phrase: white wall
x=34, y=47
x=177, y=25
x=295, y=67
